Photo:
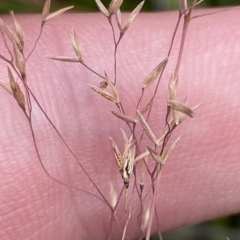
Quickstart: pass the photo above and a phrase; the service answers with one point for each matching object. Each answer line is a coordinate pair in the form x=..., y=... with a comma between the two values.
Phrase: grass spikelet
x=155, y=155
x=18, y=29
x=119, y=19
x=146, y=128
x=76, y=44
x=64, y=59
x=124, y=117
x=104, y=94
x=6, y=87
x=152, y=77
x=177, y=106
x=132, y=16
x=11, y=34
x=46, y=9
x=147, y=107
x=17, y=92
x=114, y=6
x=170, y=149
x=19, y=60
x=102, y=8
x=57, y=13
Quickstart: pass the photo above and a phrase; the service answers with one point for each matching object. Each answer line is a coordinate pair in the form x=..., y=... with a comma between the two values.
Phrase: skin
x=201, y=178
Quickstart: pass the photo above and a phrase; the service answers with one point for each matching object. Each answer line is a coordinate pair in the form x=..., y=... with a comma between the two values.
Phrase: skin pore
x=201, y=178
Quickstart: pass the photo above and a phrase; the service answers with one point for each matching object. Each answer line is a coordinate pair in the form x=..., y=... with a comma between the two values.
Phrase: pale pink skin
x=201, y=178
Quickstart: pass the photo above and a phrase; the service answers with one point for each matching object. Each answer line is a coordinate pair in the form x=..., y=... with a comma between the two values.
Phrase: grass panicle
x=140, y=163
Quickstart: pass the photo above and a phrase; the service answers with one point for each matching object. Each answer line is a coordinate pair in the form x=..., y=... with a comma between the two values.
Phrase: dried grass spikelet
x=102, y=8
x=64, y=59
x=142, y=155
x=117, y=155
x=198, y=2
x=18, y=28
x=19, y=59
x=103, y=93
x=177, y=106
x=125, y=161
x=119, y=19
x=146, y=108
x=172, y=87
x=146, y=128
x=6, y=86
x=57, y=13
x=17, y=92
x=166, y=154
x=114, y=6
x=46, y=15
x=11, y=35
x=132, y=16
x=46, y=9
x=76, y=44
x=125, y=138
x=113, y=96
x=155, y=155
x=172, y=94
x=152, y=77
x=128, y=165
x=124, y=117
x=183, y=5
x=112, y=88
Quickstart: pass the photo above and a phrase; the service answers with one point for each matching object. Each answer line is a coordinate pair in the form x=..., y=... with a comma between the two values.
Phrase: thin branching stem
x=180, y=54
x=110, y=226
x=36, y=42
x=44, y=168
x=113, y=31
x=115, y=58
x=153, y=204
x=91, y=70
x=158, y=224
x=69, y=149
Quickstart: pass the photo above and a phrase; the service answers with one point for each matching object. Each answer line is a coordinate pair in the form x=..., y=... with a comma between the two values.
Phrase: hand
x=201, y=178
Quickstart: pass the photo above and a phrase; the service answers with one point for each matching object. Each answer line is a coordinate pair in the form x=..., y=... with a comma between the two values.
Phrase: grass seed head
x=146, y=128
x=18, y=29
x=56, y=14
x=76, y=44
x=17, y=92
x=11, y=35
x=19, y=59
x=102, y=8
x=132, y=16
x=152, y=76
x=114, y=6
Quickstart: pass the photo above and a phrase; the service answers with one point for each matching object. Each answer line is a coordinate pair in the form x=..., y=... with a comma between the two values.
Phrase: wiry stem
x=115, y=59
x=116, y=43
x=153, y=204
x=69, y=149
x=44, y=168
x=36, y=42
x=91, y=70
x=183, y=39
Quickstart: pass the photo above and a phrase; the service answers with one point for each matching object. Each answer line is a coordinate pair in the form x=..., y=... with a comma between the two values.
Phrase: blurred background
x=33, y=6
x=227, y=228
